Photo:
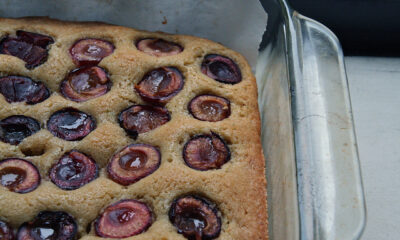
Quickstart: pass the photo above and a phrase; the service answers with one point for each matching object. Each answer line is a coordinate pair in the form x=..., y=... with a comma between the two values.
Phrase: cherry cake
x=111, y=132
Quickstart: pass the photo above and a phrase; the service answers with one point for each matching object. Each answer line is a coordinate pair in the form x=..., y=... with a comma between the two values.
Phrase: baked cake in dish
x=111, y=132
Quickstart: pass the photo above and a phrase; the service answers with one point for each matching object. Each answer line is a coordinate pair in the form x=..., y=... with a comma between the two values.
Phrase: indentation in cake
x=158, y=47
x=49, y=225
x=90, y=51
x=209, y=108
x=85, y=83
x=142, y=118
x=160, y=85
x=73, y=170
x=23, y=89
x=133, y=163
x=6, y=231
x=124, y=219
x=19, y=175
x=195, y=217
x=16, y=128
x=33, y=151
x=206, y=152
x=30, y=47
x=70, y=124
x=221, y=69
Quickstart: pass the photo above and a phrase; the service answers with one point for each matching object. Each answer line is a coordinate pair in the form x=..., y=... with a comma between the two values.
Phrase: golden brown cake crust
x=238, y=188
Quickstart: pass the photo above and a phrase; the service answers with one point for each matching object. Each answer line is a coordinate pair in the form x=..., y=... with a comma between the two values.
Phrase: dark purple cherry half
x=90, y=51
x=19, y=175
x=73, y=170
x=195, y=217
x=36, y=39
x=221, y=69
x=205, y=152
x=70, y=124
x=124, y=219
x=49, y=225
x=158, y=47
x=6, y=231
x=142, y=118
x=15, y=128
x=31, y=54
x=30, y=47
x=23, y=89
x=133, y=163
x=209, y=108
x=85, y=83
x=160, y=85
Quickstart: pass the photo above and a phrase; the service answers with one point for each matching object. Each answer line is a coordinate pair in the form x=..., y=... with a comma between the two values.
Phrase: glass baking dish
x=314, y=182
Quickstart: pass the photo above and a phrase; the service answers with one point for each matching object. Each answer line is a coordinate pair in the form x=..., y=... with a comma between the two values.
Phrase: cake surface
x=229, y=191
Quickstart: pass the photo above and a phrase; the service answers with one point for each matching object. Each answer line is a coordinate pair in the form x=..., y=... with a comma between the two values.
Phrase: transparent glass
x=314, y=181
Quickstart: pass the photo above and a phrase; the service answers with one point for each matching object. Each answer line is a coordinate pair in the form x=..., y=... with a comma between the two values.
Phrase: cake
x=111, y=132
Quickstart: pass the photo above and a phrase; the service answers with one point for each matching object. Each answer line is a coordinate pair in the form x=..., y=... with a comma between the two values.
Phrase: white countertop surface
x=375, y=94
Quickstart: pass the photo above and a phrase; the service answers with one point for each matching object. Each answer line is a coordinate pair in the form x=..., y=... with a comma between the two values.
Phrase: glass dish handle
x=330, y=193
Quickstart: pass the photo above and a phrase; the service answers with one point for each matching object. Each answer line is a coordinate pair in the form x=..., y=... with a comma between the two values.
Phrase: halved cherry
x=90, y=51
x=133, y=163
x=85, y=83
x=6, y=231
x=70, y=124
x=210, y=108
x=124, y=219
x=195, y=217
x=73, y=170
x=31, y=54
x=19, y=175
x=23, y=89
x=205, y=152
x=49, y=225
x=36, y=39
x=221, y=69
x=142, y=118
x=15, y=128
x=18, y=48
x=160, y=85
x=158, y=47
x=30, y=47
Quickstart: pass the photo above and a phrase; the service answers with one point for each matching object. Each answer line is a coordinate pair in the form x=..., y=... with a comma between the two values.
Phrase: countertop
x=375, y=94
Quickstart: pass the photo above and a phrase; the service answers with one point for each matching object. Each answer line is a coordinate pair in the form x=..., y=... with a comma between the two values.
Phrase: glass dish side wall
x=277, y=139
x=301, y=63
